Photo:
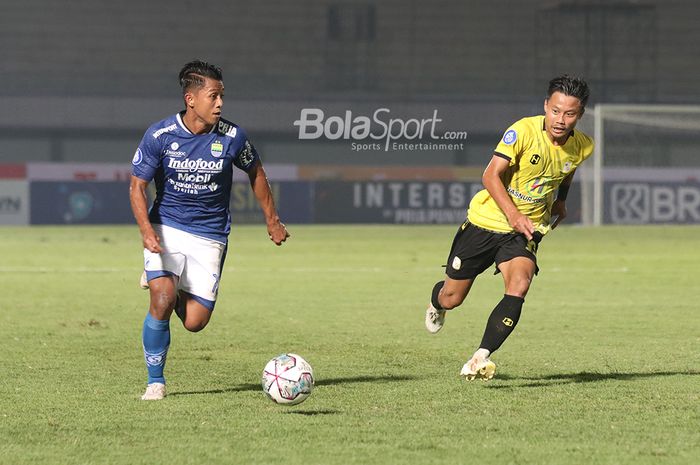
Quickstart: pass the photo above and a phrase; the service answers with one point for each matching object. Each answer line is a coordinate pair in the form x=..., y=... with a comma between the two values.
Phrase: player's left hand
x=558, y=212
x=278, y=232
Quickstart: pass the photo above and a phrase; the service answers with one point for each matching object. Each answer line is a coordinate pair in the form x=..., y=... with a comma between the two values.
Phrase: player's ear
x=546, y=101
x=189, y=100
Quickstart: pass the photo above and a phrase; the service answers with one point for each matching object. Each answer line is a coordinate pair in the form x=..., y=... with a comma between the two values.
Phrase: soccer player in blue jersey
x=190, y=156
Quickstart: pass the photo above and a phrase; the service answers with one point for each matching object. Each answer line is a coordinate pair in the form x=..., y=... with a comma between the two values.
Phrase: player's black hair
x=194, y=72
x=569, y=85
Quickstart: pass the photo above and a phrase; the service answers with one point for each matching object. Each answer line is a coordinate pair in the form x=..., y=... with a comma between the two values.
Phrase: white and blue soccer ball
x=288, y=379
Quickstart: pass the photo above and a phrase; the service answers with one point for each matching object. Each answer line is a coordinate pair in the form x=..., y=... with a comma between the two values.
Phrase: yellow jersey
x=536, y=169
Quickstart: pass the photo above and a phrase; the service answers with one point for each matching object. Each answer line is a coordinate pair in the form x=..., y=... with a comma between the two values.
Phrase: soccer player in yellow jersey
x=526, y=184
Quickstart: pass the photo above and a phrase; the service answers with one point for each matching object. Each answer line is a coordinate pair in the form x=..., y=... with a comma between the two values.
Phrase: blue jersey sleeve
x=246, y=156
x=147, y=158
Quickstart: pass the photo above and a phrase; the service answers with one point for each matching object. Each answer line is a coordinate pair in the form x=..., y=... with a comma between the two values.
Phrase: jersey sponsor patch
x=138, y=158
x=537, y=188
x=246, y=157
x=227, y=129
x=456, y=263
x=510, y=137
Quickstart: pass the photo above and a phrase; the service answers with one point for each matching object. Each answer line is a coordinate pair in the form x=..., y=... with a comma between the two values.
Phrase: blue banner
x=293, y=200
x=80, y=202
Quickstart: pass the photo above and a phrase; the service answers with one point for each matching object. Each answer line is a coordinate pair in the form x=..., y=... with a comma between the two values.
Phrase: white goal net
x=646, y=165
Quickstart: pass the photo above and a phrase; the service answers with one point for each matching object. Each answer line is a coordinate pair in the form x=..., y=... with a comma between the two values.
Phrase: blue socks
x=156, y=340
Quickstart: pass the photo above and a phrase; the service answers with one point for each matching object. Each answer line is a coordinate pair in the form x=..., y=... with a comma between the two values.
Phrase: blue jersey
x=193, y=174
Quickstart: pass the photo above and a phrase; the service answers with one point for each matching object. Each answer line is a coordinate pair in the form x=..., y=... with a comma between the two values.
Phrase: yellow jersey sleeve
x=513, y=142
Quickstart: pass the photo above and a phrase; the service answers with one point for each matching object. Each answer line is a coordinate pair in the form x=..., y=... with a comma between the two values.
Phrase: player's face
x=561, y=113
x=206, y=101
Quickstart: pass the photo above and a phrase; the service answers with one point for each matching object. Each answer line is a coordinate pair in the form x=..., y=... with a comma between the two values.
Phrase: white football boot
x=479, y=367
x=154, y=391
x=434, y=319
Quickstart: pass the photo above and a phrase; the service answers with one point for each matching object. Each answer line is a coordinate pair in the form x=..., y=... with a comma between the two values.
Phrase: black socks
x=436, y=293
x=501, y=322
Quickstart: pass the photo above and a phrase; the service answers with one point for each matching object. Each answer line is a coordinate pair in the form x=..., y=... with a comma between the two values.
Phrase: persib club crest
x=217, y=149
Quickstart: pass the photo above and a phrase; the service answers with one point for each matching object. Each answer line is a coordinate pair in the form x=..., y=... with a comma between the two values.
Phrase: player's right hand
x=151, y=242
x=522, y=224
x=277, y=232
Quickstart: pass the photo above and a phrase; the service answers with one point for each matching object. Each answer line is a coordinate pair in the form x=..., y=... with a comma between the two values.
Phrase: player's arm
x=559, y=205
x=139, y=206
x=493, y=182
x=258, y=182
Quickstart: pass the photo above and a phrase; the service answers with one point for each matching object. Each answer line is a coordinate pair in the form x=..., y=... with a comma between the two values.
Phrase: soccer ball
x=288, y=379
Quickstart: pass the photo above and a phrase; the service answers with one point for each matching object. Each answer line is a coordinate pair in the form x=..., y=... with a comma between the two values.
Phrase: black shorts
x=475, y=249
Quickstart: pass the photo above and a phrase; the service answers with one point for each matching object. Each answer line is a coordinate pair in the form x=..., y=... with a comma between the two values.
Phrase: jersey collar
x=180, y=123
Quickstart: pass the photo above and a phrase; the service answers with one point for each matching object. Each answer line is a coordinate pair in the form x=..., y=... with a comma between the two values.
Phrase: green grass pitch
x=604, y=367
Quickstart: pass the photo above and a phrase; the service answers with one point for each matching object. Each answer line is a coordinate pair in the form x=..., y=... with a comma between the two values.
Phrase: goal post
x=645, y=167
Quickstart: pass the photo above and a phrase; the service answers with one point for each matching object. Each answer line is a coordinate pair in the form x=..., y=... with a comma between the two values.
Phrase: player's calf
x=435, y=314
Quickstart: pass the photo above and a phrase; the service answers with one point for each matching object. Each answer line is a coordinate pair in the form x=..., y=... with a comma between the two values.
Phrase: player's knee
x=518, y=286
x=450, y=300
x=195, y=326
x=162, y=302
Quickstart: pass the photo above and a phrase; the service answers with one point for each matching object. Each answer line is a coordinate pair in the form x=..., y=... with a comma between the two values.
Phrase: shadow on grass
x=312, y=413
x=320, y=382
x=581, y=377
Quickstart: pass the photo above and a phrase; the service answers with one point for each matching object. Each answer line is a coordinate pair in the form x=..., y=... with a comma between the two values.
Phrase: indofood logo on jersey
x=380, y=131
x=209, y=166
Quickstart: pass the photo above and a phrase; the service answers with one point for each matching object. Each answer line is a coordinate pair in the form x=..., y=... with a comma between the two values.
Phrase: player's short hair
x=194, y=72
x=570, y=85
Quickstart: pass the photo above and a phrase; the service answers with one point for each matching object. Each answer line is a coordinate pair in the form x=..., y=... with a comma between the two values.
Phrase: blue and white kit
x=193, y=174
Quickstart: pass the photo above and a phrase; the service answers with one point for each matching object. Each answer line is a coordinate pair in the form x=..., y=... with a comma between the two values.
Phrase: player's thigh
x=163, y=294
x=473, y=251
x=202, y=272
x=196, y=314
x=518, y=273
x=171, y=261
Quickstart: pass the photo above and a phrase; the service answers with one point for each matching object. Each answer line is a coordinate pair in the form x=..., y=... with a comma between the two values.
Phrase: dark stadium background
x=82, y=80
